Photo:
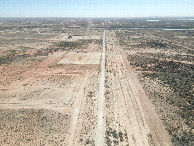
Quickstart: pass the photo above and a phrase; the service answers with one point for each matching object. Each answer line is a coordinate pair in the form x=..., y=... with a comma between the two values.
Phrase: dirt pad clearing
x=81, y=58
x=53, y=104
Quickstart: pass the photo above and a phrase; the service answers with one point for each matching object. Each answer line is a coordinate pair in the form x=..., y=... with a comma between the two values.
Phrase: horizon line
x=99, y=17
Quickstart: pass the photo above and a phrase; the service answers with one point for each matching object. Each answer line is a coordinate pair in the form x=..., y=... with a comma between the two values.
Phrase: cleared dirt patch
x=81, y=58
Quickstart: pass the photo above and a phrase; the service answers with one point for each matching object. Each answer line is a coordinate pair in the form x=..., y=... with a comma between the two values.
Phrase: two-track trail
x=100, y=128
x=130, y=118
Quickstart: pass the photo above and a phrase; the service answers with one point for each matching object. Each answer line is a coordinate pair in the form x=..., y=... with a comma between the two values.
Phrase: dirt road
x=130, y=117
x=100, y=130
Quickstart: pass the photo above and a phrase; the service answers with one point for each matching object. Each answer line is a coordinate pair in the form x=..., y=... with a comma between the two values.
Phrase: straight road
x=128, y=110
x=100, y=128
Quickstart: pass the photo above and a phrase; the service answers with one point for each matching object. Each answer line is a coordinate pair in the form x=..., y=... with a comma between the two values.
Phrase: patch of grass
x=150, y=140
x=112, y=136
x=56, y=65
x=155, y=44
x=91, y=142
x=108, y=141
x=121, y=136
x=91, y=94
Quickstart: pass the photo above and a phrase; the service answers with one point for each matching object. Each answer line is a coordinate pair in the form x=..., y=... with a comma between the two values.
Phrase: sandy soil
x=77, y=98
x=81, y=58
x=100, y=131
x=171, y=99
x=44, y=102
x=130, y=117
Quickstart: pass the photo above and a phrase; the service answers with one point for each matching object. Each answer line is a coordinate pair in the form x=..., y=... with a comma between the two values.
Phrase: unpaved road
x=130, y=117
x=100, y=130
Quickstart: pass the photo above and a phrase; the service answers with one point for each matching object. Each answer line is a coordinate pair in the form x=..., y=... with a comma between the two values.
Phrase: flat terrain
x=95, y=82
x=81, y=58
x=165, y=69
x=130, y=116
x=48, y=94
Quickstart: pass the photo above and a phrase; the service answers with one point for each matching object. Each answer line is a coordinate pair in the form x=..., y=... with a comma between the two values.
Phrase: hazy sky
x=95, y=8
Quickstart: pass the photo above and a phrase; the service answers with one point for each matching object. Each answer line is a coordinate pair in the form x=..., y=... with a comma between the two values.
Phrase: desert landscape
x=100, y=81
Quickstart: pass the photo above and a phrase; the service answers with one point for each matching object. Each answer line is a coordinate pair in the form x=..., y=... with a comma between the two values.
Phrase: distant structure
x=69, y=37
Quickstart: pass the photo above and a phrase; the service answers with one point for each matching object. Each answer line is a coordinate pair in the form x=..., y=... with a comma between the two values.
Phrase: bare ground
x=56, y=101
x=130, y=117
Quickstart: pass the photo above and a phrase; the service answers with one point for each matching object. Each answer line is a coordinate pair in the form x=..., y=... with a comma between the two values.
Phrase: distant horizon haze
x=96, y=8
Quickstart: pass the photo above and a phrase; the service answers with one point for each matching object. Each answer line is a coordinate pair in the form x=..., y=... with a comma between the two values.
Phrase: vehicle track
x=127, y=107
x=100, y=128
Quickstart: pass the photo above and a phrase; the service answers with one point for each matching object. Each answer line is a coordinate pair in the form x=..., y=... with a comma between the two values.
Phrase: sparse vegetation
x=154, y=60
x=47, y=99
x=113, y=137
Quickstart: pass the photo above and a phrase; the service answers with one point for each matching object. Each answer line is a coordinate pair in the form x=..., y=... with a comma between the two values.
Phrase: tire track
x=128, y=102
x=100, y=128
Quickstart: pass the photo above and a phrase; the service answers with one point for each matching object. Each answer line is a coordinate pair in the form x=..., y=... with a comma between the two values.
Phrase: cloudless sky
x=95, y=8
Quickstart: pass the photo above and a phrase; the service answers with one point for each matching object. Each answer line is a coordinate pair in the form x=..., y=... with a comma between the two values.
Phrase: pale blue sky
x=95, y=8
